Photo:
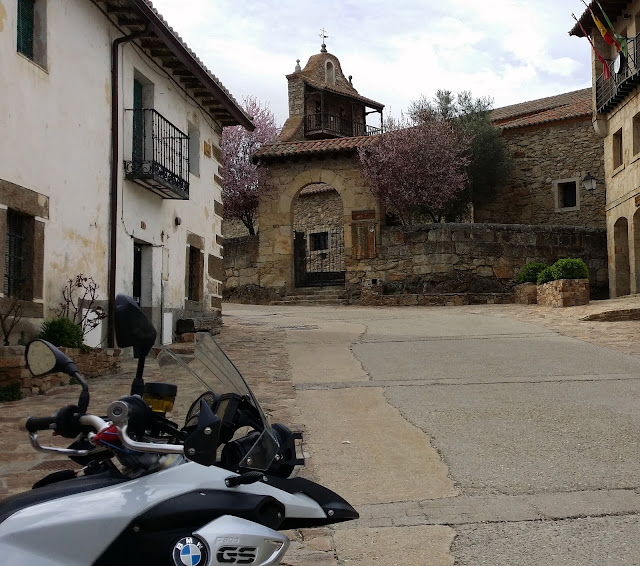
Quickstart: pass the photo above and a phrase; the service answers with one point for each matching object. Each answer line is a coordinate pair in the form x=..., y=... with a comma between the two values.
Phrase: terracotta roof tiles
x=566, y=106
x=311, y=147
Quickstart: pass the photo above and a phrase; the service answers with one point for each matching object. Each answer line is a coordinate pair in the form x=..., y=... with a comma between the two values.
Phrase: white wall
x=55, y=139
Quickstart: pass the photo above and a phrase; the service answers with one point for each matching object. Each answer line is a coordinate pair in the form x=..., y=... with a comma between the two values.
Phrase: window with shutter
x=26, y=11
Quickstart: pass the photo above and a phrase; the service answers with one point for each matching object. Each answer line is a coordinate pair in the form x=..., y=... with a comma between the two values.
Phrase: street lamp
x=589, y=182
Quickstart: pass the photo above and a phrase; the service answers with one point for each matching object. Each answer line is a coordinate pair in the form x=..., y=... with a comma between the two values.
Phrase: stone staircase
x=315, y=296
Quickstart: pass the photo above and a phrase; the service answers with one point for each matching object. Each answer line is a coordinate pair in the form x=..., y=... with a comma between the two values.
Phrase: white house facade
x=110, y=161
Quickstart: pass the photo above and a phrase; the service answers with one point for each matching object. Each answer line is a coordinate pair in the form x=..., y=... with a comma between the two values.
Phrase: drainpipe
x=115, y=146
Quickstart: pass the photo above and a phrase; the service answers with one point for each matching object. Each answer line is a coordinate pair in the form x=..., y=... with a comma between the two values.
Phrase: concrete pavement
x=448, y=428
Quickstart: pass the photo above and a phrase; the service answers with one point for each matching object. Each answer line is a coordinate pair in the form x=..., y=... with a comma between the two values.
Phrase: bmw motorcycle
x=215, y=489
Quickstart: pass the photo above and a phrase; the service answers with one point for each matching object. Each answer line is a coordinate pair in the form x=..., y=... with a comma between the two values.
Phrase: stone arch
x=276, y=216
x=635, y=266
x=330, y=73
x=621, y=264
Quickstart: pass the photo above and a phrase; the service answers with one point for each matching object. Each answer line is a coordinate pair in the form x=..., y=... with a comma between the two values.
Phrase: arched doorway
x=318, y=226
x=621, y=257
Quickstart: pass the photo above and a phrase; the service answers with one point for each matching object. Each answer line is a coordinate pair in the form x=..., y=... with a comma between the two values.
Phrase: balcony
x=611, y=92
x=329, y=125
x=159, y=155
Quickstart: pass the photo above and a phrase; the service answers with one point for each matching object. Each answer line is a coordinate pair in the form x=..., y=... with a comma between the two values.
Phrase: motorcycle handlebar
x=34, y=424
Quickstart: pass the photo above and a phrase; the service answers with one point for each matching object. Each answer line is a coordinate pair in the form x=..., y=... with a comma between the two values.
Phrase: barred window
x=26, y=20
x=194, y=274
x=16, y=263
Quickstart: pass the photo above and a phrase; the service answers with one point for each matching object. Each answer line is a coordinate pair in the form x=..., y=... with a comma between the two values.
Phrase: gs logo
x=237, y=554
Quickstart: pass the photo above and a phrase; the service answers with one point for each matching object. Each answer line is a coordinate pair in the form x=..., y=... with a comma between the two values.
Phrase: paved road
x=462, y=433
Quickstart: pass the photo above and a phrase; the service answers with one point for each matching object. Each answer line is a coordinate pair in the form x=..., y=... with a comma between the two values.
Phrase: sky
x=397, y=51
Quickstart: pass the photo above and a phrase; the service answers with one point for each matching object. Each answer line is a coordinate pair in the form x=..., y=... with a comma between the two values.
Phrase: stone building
x=616, y=118
x=316, y=213
x=109, y=160
x=553, y=149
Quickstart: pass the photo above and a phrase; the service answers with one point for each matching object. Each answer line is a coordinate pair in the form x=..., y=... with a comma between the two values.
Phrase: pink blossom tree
x=239, y=175
x=417, y=170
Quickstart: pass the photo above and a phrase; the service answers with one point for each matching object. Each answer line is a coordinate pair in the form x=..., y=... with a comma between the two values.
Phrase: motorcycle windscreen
x=209, y=369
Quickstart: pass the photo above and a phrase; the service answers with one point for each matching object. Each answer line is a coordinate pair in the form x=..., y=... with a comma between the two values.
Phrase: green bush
x=529, y=273
x=10, y=392
x=570, y=269
x=61, y=332
x=545, y=276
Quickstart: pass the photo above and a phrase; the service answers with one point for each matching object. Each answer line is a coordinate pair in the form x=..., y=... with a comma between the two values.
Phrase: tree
x=419, y=169
x=489, y=165
x=240, y=176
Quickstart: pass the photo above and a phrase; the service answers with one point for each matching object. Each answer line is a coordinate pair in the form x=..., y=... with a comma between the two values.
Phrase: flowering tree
x=418, y=169
x=239, y=175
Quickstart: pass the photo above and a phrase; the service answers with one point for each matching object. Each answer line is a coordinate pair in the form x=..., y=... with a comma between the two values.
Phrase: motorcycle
x=214, y=491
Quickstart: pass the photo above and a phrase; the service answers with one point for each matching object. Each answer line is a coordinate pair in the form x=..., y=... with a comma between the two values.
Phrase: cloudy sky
x=510, y=50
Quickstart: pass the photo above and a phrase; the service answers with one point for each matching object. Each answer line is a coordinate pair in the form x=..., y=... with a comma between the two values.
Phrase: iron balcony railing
x=159, y=155
x=609, y=93
x=323, y=123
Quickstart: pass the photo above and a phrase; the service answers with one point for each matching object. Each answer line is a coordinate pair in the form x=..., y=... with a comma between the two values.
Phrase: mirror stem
x=137, y=387
x=83, y=400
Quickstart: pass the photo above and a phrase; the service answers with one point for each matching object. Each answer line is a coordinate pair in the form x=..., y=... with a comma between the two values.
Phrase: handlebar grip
x=34, y=424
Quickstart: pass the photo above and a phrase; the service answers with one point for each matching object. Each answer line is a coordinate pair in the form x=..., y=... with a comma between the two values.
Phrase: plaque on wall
x=363, y=215
x=637, y=200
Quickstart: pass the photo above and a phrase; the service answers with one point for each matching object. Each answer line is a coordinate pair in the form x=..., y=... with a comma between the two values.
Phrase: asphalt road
x=537, y=434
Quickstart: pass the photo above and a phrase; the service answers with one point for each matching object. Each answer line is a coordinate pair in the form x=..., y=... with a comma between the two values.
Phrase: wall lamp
x=589, y=182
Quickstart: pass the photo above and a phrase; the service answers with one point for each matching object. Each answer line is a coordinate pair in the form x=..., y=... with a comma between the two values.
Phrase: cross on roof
x=324, y=36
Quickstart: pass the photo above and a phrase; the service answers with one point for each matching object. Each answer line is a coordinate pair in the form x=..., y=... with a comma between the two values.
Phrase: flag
x=622, y=41
x=605, y=68
x=608, y=36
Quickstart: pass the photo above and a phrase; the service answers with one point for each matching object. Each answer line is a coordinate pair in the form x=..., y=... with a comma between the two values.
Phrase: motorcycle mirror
x=132, y=327
x=43, y=357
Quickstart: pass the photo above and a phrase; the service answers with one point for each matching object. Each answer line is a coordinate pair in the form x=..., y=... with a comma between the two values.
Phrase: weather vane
x=324, y=36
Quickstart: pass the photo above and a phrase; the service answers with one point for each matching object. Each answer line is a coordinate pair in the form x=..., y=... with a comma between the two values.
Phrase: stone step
x=296, y=296
x=317, y=290
x=311, y=301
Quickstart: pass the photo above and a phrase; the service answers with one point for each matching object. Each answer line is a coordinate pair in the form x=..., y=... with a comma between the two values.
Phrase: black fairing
x=16, y=503
x=337, y=509
x=151, y=536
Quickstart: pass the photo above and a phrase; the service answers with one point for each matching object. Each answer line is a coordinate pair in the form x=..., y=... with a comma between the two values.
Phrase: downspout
x=115, y=147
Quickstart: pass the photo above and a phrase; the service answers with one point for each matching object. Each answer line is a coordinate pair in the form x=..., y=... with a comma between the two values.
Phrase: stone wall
x=449, y=260
x=13, y=369
x=541, y=156
x=475, y=258
x=564, y=293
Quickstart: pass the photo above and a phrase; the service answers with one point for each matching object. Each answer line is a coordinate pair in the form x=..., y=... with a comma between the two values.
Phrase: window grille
x=193, y=275
x=26, y=10
x=15, y=254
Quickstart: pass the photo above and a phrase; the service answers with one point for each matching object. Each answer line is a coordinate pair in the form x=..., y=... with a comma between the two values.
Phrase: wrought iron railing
x=337, y=125
x=159, y=154
x=612, y=91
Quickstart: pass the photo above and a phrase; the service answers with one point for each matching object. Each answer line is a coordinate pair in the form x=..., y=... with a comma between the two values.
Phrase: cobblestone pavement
x=258, y=352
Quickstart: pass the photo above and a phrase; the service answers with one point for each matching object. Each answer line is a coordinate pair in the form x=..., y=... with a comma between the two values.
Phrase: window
x=18, y=257
x=566, y=195
x=31, y=28
x=194, y=274
x=319, y=241
x=330, y=73
x=636, y=134
x=194, y=149
x=618, y=159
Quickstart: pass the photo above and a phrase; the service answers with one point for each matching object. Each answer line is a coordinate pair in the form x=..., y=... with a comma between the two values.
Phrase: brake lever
x=244, y=479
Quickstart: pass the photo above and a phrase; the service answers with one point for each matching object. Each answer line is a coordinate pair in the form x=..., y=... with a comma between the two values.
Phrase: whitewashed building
x=110, y=159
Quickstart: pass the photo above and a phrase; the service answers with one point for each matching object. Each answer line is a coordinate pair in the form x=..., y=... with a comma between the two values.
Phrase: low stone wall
x=240, y=262
x=525, y=294
x=13, y=369
x=473, y=258
x=445, y=260
x=564, y=293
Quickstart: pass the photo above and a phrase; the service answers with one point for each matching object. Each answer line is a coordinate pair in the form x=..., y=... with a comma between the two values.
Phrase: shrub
x=10, y=392
x=570, y=269
x=545, y=276
x=529, y=273
x=61, y=332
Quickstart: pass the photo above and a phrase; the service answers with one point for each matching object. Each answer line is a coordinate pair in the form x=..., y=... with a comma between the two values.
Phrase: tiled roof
x=146, y=9
x=566, y=106
x=351, y=93
x=613, y=8
x=311, y=147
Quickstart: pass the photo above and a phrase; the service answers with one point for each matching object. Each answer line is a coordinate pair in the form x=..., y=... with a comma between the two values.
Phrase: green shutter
x=25, y=27
x=138, y=123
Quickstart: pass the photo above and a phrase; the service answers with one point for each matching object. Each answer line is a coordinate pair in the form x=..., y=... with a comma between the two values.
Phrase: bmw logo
x=190, y=551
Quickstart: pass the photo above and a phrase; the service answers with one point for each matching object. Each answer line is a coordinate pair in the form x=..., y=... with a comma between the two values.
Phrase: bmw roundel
x=190, y=551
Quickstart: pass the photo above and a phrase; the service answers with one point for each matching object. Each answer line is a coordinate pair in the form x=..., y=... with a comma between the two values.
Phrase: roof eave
x=187, y=59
